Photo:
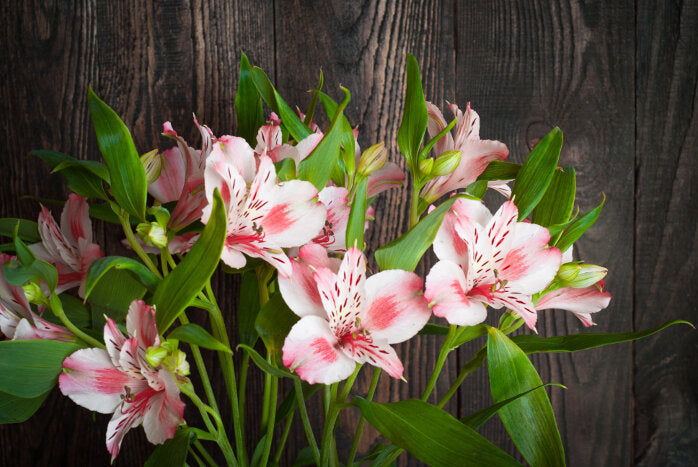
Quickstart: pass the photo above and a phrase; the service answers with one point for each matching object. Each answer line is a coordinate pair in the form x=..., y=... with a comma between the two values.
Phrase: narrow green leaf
x=30, y=368
x=28, y=230
x=185, y=281
x=30, y=267
x=101, y=266
x=529, y=420
x=248, y=308
x=317, y=167
x=588, y=340
x=104, y=212
x=432, y=142
x=289, y=119
x=128, y=181
x=467, y=334
x=431, y=435
x=406, y=251
x=357, y=217
x=289, y=403
x=83, y=177
x=348, y=141
x=264, y=365
x=500, y=170
x=431, y=329
x=536, y=173
x=414, y=116
x=285, y=169
x=313, y=101
x=195, y=334
x=273, y=324
x=173, y=452
x=479, y=418
x=477, y=189
x=74, y=309
x=248, y=105
x=15, y=409
x=112, y=295
x=578, y=227
x=558, y=202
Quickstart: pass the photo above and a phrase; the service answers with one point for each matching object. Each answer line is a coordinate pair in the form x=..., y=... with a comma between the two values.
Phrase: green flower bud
x=373, y=159
x=34, y=294
x=156, y=355
x=446, y=163
x=568, y=271
x=426, y=166
x=153, y=234
x=152, y=163
x=586, y=276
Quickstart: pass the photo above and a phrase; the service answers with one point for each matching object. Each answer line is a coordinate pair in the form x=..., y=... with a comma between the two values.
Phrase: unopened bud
x=569, y=271
x=155, y=356
x=426, y=166
x=152, y=163
x=446, y=163
x=153, y=234
x=34, y=294
x=588, y=275
x=373, y=159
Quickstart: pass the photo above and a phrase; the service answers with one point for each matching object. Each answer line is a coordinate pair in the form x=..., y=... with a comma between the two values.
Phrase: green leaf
x=317, y=167
x=414, y=116
x=477, y=189
x=431, y=329
x=313, y=101
x=173, y=452
x=289, y=119
x=74, y=309
x=265, y=366
x=500, y=170
x=536, y=173
x=30, y=368
x=195, y=334
x=83, y=177
x=479, y=418
x=112, y=296
x=588, y=340
x=128, y=181
x=101, y=266
x=406, y=251
x=28, y=230
x=273, y=324
x=348, y=141
x=467, y=334
x=185, y=281
x=431, y=435
x=248, y=105
x=285, y=169
x=104, y=212
x=357, y=217
x=248, y=308
x=432, y=142
x=15, y=409
x=558, y=202
x=529, y=420
x=29, y=268
x=578, y=227
x=289, y=403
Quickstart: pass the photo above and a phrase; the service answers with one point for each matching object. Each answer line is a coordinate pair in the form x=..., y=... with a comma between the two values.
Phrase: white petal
x=447, y=292
x=164, y=411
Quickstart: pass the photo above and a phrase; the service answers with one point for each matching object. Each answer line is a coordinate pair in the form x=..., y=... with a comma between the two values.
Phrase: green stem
x=135, y=246
x=472, y=365
x=414, y=204
x=328, y=451
x=273, y=394
x=349, y=383
x=201, y=368
x=198, y=460
x=284, y=437
x=204, y=453
x=362, y=421
x=57, y=309
x=443, y=353
x=242, y=392
x=220, y=333
x=306, y=421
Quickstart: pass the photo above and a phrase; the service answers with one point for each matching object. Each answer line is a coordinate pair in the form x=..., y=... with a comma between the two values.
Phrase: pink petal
x=333, y=233
x=309, y=350
x=164, y=411
x=395, y=306
x=238, y=153
x=140, y=323
x=447, y=292
x=299, y=290
x=114, y=340
x=221, y=174
x=376, y=352
x=308, y=145
x=126, y=416
x=75, y=220
x=435, y=124
x=268, y=138
x=168, y=185
x=530, y=264
x=390, y=176
x=92, y=381
x=295, y=216
x=57, y=246
x=519, y=303
x=581, y=302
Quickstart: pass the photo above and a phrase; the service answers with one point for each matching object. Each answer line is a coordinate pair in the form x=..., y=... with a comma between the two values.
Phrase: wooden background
x=618, y=77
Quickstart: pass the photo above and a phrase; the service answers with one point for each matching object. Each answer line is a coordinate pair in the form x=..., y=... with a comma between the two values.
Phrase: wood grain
x=619, y=78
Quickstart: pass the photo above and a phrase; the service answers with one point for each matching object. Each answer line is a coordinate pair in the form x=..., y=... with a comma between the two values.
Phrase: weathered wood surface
x=618, y=78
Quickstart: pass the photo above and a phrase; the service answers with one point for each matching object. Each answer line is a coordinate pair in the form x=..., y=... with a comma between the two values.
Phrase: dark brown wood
x=619, y=78
x=666, y=191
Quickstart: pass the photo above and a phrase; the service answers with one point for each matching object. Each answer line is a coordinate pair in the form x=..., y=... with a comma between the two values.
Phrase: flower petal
x=377, y=352
x=164, y=411
x=519, y=303
x=581, y=302
x=295, y=216
x=168, y=186
x=238, y=153
x=140, y=323
x=390, y=176
x=447, y=292
x=334, y=232
x=309, y=350
x=395, y=306
x=299, y=290
x=75, y=220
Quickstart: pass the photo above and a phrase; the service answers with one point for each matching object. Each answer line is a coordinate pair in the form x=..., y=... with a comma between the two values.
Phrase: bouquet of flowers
x=285, y=204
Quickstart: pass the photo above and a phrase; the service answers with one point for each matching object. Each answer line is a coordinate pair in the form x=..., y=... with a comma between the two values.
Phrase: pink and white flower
x=264, y=215
x=580, y=302
x=69, y=247
x=119, y=380
x=270, y=142
x=488, y=260
x=476, y=153
x=347, y=318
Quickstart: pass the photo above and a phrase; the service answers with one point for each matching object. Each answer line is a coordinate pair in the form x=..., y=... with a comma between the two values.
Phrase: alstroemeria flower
x=580, y=302
x=264, y=215
x=475, y=152
x=182, y=177
x=488, y=260
x=119, y=380
x=270, y=142
x=334, y=233
x=17, y=320
x=69, y=247
x=347, y=318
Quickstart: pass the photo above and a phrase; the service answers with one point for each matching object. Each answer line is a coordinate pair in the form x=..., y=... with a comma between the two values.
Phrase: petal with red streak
x=447, y=291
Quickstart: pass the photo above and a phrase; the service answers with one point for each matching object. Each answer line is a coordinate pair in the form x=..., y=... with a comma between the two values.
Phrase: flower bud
x=373, y=159
x=34, y=294
x=426, y=166
x=153, y=234
x=152, y=163
x=568, y=271
x=446, y=163
x=155, y=356
x=588, y=275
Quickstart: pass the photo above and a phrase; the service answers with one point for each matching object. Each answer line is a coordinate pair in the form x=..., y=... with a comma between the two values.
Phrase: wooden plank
x=525, y=67
x=666, y=240
x=363, y=48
